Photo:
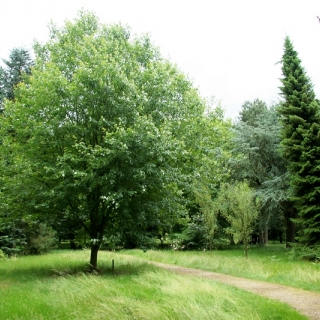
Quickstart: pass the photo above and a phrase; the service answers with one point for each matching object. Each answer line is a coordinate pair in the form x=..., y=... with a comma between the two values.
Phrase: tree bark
x=94, y=256
x=291, y=230
x=266, y=235
x=261, y=237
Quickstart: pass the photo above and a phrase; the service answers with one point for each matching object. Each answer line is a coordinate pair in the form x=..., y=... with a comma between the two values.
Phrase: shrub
x=42, y=239
x=306, y=253
x=12, y=235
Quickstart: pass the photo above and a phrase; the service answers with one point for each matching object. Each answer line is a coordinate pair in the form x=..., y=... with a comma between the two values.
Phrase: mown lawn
x=56, y=286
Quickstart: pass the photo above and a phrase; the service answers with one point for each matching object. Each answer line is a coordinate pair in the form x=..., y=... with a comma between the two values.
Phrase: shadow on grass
x=31, y=272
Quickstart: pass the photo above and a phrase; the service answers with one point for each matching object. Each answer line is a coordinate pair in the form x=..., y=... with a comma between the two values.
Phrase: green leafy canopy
x=96, y=131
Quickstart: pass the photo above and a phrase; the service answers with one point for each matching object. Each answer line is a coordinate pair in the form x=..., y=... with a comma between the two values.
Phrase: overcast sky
x=229, y=48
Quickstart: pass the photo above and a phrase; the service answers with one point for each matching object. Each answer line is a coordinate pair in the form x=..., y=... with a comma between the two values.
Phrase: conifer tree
x=252, y=111
x=19, y=62
x=300, y=118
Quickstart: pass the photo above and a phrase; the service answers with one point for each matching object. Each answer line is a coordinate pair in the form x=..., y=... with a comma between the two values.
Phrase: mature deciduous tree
x=96, y=131
x=301, y=142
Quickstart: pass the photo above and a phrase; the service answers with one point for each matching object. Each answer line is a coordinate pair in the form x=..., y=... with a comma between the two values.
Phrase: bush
x=7, y=245
x=305, y=253
x=42, y=239
x=12, y=235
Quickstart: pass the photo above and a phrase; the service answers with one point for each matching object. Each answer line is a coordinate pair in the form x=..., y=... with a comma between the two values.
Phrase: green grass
x=271, y=264
x=54, y=286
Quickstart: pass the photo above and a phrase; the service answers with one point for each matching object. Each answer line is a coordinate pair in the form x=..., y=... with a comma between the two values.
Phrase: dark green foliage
x=41, y=239
x=251, y=112
x=301, y=143
x=305, y=252
x=132, y=240
x=7, y=245
x=67, y=228
x=21, y=237
x=12, y=235
x=19, y=62
x=256, y=159
x=194, y=235
x=99, y=142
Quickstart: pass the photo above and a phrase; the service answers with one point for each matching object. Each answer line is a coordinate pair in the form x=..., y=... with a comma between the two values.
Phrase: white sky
x=229, y=48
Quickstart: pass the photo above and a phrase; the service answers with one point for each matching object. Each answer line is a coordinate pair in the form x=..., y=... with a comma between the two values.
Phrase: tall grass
x=272, y=264
x=55, y=286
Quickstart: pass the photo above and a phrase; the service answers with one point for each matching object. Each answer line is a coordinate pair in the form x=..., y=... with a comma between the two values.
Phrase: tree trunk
x=94, y=256
x=261, y=237
x=266, y=235
x=291, y=230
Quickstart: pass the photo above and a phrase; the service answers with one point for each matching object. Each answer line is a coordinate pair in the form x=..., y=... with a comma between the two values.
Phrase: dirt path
x=305, y=302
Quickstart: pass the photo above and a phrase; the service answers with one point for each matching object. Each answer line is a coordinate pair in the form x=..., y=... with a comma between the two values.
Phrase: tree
x=257, y=159
x=236, y=203
x=19, y=62
x=95, y=132
x=251, y=111
x=12, y=236
x=299, y=113
x=208, y=139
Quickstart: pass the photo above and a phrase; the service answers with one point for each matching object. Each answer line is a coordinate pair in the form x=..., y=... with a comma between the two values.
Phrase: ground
x=305, y=302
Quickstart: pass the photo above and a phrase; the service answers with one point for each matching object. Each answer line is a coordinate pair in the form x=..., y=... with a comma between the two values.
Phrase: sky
x=228, y=48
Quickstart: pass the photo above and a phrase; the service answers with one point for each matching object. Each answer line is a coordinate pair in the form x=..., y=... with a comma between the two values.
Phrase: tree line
x=105, y=142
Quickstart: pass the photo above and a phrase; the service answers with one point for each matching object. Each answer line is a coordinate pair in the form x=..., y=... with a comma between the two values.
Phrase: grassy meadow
x=272, y=264
x=56, y=286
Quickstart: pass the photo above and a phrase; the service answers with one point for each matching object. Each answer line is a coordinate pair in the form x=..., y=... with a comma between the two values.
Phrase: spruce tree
x=251, y=112
x=19, y=62
x=299, y=113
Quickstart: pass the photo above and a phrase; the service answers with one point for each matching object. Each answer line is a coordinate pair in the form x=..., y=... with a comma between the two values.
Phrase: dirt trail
x=305, y=302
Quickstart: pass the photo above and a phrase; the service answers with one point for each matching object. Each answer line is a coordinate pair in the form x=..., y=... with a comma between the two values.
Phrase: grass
x=271, y=264
x=55, y=286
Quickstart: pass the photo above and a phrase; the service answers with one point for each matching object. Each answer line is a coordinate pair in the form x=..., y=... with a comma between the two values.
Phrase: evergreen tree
x=19, y=61
x=252, y=111
x=301, y=143
x=257, y=160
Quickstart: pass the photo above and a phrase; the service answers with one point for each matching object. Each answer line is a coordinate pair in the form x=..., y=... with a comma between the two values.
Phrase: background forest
x=106, y=144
